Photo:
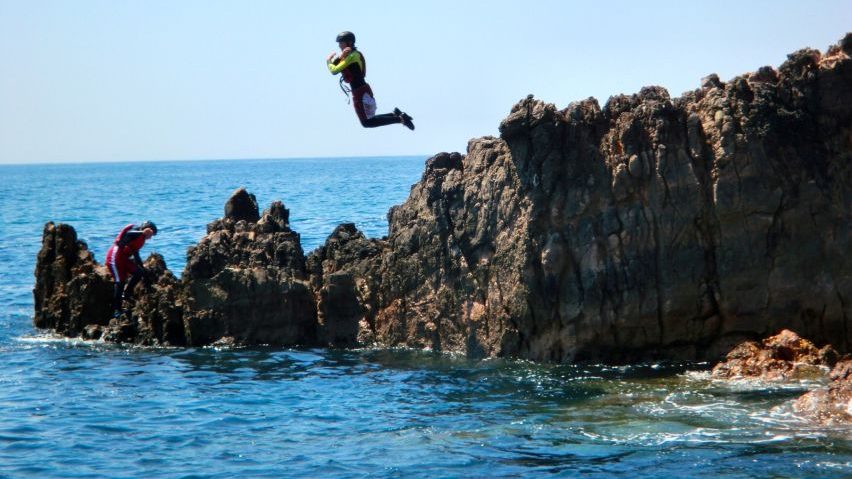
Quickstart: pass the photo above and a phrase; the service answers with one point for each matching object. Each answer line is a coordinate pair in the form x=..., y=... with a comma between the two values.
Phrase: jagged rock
x=246, y=280
x=73, y=295
x=764, y=74
x=158, y=310
x=784, y=356
x=845, y=44
x=242, y=205
x=344, y=302
x=831, y=405
x=712, y=81
x=244, y=283
x=71, y=290
x=417, y=288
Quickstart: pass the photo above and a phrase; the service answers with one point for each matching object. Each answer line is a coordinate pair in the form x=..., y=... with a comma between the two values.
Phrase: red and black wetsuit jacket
x=129, y=241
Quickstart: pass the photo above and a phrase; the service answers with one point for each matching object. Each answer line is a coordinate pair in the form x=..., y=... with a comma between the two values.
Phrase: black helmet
x=149, y=224
x=346, y=37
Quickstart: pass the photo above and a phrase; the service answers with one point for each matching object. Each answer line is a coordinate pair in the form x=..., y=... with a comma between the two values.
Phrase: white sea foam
x=52, y=338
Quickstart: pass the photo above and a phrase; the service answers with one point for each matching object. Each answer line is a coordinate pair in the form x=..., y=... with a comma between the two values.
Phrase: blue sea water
x=70, y=408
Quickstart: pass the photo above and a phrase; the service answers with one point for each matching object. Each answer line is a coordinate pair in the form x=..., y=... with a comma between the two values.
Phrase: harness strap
x=346, y=90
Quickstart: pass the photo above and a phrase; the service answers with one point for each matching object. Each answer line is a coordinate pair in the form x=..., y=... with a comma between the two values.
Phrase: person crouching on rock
x=123, y=259
x=352, y=65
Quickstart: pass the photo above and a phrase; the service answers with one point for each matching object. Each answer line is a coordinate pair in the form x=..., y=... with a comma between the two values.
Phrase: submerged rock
x=831, y=405
x=788, y=357
x=654, y=227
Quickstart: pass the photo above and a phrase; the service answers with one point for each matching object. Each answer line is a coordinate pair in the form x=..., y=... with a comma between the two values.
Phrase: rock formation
x=654, y=227
x=782, y=357
x=788, y=357
x=71, y=290
x=831, y=405
x=244, y=283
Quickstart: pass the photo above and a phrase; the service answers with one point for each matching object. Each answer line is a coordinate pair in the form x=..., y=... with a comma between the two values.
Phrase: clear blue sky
x=120, y=80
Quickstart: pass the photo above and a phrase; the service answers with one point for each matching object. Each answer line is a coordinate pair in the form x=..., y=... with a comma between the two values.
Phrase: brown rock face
x=449, y=275
x=245, y=282
x=344, y=298
x=71, y=290
x=831, y=405
x=781, y=357
x=242, y=205
x=650, y=228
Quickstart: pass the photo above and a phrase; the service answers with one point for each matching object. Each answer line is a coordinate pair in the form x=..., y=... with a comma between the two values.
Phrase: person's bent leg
x=118, y=276
x=365, y=108
x=380, y=120
x=134, y=280
x=117, y=293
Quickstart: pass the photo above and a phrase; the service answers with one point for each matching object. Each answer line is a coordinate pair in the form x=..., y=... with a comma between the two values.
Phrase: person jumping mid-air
x=351, y=63
x=123, y=259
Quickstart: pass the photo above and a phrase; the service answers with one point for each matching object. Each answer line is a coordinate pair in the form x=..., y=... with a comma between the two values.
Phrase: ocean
x=77, y=409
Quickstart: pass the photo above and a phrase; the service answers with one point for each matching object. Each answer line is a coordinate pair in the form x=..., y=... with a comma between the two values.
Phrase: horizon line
x=120, y=162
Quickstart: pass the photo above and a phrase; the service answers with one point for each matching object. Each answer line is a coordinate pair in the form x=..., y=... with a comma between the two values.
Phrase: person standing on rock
x=353, y=67
x=123, y=260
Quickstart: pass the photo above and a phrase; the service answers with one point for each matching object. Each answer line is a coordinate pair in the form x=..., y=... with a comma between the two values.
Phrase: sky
x=118, y=80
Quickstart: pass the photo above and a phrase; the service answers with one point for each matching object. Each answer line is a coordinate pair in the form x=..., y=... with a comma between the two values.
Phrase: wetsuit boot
x=127, y=295
x=405, y=117
x=117, y=294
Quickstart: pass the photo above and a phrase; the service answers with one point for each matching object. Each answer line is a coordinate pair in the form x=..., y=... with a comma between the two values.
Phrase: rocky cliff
x=652, y=227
